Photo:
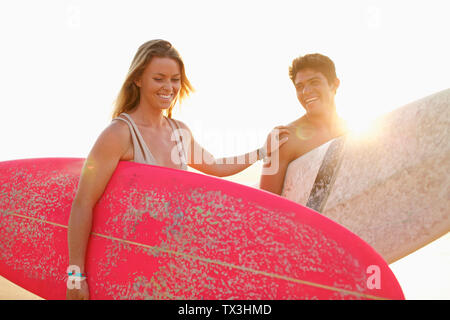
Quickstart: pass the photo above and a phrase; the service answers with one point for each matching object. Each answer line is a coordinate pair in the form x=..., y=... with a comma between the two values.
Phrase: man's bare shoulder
x=298, y=140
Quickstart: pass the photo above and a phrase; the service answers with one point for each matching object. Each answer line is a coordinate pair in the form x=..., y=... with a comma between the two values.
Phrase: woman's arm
x=100, y=164
x=222, y=167
x=202, y=160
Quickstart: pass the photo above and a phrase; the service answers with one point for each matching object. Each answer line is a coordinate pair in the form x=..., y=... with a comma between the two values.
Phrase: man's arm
x=273, y=182
x=274, y=172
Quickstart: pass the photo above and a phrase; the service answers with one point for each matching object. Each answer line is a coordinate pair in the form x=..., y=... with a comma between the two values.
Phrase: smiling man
x=316, y=83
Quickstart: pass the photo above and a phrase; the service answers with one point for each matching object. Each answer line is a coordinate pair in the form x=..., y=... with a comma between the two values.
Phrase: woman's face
x=160, y=82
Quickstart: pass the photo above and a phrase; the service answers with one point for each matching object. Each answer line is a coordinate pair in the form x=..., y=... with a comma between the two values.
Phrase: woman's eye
x=157, y=79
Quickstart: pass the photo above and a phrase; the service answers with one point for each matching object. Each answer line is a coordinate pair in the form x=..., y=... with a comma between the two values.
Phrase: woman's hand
x=78, y=294
x=276, y=138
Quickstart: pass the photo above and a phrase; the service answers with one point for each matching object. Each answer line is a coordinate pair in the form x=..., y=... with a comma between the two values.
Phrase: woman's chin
x=164, y=106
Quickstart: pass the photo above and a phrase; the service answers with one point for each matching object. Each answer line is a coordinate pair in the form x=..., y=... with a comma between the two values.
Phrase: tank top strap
x=179, y=142
x=141, y=152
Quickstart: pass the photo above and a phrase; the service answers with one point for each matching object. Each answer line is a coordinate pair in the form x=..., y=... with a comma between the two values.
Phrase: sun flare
x=360, y=124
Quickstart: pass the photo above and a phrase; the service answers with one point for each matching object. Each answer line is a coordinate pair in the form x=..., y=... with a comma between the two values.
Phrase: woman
x=143, y=131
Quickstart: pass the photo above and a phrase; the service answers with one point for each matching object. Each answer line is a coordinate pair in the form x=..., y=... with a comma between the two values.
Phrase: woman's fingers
x=283, y=141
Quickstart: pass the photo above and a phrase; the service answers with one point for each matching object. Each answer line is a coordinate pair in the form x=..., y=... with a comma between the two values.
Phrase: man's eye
x=157, y=79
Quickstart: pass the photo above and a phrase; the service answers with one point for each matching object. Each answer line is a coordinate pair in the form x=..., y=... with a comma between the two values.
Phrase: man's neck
x=324, y=120
x=329, y=122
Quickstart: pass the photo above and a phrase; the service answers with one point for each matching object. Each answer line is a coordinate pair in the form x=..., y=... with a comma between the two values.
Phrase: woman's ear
x=138, y=82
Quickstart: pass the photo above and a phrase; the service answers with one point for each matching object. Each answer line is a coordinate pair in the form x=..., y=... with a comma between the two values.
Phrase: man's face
x=314, y=92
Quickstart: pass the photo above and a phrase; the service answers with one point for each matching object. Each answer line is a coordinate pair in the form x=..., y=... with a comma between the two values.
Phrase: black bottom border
x=218, y=309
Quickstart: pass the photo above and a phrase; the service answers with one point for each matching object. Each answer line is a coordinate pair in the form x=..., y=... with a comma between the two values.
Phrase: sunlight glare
x=361, y=124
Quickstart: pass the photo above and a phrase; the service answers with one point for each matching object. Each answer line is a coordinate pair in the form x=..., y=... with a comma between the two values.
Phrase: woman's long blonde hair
x=128, y=97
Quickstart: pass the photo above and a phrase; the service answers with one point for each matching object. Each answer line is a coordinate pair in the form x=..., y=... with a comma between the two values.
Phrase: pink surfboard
x=161, y=233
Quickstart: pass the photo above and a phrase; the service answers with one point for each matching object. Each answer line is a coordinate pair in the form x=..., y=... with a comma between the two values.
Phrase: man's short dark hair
x=316, y=61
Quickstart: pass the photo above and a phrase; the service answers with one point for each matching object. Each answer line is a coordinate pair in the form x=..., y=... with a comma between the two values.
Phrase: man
x=315, y=81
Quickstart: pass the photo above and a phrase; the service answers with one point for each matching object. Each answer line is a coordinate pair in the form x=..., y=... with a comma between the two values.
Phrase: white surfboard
x=390, y=186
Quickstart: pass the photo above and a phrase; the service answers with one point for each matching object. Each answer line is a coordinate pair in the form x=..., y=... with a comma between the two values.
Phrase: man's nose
x=306, y=89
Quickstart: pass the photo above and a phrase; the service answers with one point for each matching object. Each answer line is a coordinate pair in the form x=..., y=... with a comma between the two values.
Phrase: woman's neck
x=147, y=116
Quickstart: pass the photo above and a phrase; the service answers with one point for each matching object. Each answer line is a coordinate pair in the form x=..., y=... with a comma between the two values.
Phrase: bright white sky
x=62, y=63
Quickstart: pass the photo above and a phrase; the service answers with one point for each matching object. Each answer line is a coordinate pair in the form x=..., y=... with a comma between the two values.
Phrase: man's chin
x=313, y=110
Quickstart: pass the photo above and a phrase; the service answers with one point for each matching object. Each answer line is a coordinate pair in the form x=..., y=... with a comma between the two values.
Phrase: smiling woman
x=144, y=131
x=129, y=94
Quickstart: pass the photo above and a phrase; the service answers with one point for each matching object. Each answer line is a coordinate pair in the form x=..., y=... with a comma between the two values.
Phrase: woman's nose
x=167, y=85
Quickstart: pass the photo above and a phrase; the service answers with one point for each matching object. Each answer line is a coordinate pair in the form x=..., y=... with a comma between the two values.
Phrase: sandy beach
x=10, y=291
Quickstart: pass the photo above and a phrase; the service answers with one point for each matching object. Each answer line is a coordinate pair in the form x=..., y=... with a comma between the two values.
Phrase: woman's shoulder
x=117, y=132
x=117, y=127
x=181, y=124
x=112, y=143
